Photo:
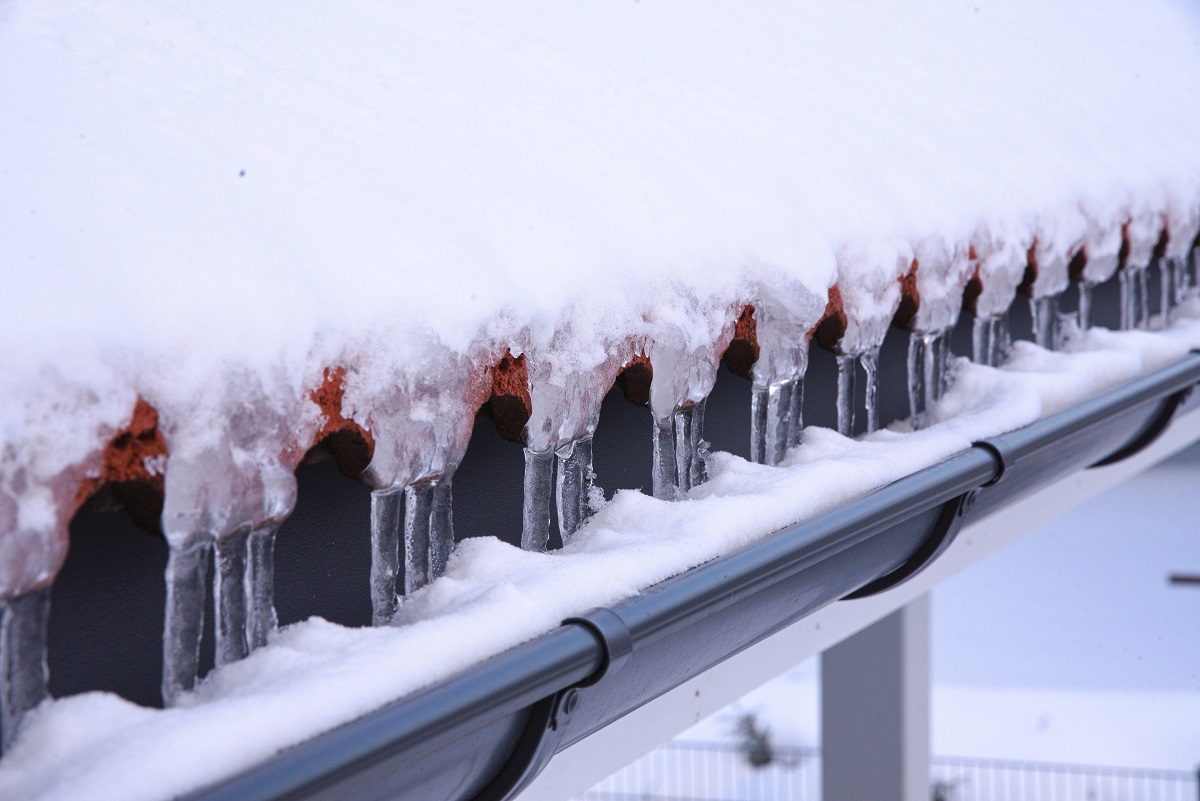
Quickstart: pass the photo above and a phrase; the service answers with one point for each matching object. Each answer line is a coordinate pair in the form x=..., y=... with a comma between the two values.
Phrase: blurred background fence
x=698, y=771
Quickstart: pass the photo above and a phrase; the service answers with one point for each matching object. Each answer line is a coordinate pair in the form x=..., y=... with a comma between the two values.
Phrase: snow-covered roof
x=196, y=195
x=209, y=208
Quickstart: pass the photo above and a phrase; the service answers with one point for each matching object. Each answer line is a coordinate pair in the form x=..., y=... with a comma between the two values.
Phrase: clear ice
x=1135, y=301
x=782, y=320
x=564, y=476
x=928, y=362
x=1143, y=297
x=1166, y=287
x=423, y=511
x=680, y=452
x=1047, y=332
x=990, y=340
x=565, y=396
x=796, y=412
x=231, y=483
x=574, y=486
x=187, y=587
x=229, y=595
x=770, y=421
x=428, y=531
x=846, y=393
x=535, y=510
x=387, y=515
x=261, y=619
x=777, y=414
x=1085, y=305
x=870, y=365
x=1181, y=280
x=23, y=672
x=441, y=526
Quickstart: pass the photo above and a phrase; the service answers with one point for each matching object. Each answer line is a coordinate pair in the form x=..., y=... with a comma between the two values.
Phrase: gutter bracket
x=1151, y=433
x=1000, y=452
x=949, y=522
x=548, y=718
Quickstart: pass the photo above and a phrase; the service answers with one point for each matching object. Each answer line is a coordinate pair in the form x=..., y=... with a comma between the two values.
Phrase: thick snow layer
x=193, y=195
x=315, y=674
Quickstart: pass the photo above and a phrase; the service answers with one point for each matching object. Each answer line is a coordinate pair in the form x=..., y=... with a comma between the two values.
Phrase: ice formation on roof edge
x=246, y=430
x=229, y=482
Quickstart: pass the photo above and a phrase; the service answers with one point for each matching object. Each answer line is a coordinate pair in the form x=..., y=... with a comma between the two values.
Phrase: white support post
x=875, y=710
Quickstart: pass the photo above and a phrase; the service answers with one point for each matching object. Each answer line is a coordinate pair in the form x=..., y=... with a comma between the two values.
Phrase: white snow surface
x=315, y=674
x=190, y=195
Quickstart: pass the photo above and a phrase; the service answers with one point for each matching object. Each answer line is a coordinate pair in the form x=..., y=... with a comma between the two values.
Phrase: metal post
x=875, y=710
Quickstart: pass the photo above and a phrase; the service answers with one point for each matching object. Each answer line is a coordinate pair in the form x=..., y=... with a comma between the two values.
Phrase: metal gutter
x=485, y=734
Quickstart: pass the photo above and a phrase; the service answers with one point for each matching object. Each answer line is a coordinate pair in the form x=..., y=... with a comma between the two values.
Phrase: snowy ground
x=1070, y=646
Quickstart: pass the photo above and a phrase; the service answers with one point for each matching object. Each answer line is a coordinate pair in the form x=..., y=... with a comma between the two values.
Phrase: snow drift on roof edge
x=208, y=207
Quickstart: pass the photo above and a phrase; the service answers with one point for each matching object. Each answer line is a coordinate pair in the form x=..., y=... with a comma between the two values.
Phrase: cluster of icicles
x=406, y=445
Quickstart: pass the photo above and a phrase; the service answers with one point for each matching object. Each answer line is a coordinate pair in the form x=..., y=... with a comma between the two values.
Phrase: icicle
x=929, y=366
x=1044, y=311
x=1085, y=305
x=260, y=585
x=946, y=361
x=796, y=412
x=682, y=421
x=423, y=510
x=418, y=515
x=1181, y=280
x=664, y=486
x=760, y=417
x=386, y=516
x=535, y=514
x=23, y=672
x=680, y=452
x=1001, y=340
x=981, y=340
x=229, y=598
x=187, y=589
x=870, y=364
x=846, y=394
x=1135, y=300
x=918, y=392
x=697, y=447
x=1143, y=281
x=1128, y=301
x=573, y=485
x=441, y=526
x=428, y=530
x=1166, y=286
x=771, y=411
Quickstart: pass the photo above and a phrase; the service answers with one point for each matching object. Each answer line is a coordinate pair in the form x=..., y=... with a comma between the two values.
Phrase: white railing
x=697, y=771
